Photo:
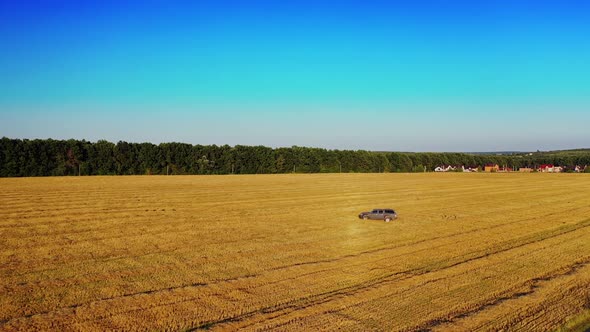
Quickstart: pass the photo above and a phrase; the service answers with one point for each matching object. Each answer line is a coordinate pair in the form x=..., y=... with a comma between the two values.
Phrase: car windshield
x=375, y=211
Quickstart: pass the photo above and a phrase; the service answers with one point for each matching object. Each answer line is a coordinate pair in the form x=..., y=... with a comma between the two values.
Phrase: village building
x=491, y=168
x=445, y=168
x=470, y=169
x=546, y=168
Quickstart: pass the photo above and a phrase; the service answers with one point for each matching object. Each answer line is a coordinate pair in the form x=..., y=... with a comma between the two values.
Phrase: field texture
x=287, y=252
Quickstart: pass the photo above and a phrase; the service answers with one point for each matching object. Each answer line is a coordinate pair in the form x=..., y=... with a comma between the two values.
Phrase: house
x=491, y=168
x=445, y=168
x=557, y=169
x=581, y=169
x=505, y=169
x=469, y=169
x=525, y=169
x=546, y=168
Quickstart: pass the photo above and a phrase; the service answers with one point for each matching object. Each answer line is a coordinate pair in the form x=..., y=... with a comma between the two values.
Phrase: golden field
x=287, y=252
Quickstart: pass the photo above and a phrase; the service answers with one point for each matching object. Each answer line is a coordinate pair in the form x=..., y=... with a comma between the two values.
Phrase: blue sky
x=377, y=75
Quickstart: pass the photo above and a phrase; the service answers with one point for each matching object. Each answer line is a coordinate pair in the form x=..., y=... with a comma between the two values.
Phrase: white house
x=469, y=169
x=444, y=168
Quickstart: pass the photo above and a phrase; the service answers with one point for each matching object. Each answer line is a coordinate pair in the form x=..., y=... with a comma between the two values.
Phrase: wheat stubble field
x=287, y=252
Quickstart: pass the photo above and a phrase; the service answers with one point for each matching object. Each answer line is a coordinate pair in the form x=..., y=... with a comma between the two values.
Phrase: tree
x=400, y=162
x=105, y=161
x=124, y=155
x=148, y=156
x=73, y=157
x=418, y=169
x=205, y=165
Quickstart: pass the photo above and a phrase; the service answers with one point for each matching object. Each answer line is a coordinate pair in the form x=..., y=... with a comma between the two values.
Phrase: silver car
x=379, y=214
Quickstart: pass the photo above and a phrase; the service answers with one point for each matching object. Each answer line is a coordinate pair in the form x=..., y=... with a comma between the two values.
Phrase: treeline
x=79, y=157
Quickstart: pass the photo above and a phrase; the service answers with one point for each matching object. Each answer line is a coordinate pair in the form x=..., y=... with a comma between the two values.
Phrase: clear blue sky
x=377, y=75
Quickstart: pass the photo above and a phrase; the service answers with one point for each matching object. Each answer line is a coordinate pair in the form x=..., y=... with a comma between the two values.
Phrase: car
x=379, y=214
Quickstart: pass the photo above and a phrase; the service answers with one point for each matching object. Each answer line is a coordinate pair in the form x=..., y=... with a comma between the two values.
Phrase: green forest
x=48, y=157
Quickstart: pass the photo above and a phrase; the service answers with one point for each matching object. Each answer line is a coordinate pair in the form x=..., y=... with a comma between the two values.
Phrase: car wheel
x=387, y=219
x=365, y=218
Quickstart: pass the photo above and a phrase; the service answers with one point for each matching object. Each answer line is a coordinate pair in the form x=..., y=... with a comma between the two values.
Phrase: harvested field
x=287, y=252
